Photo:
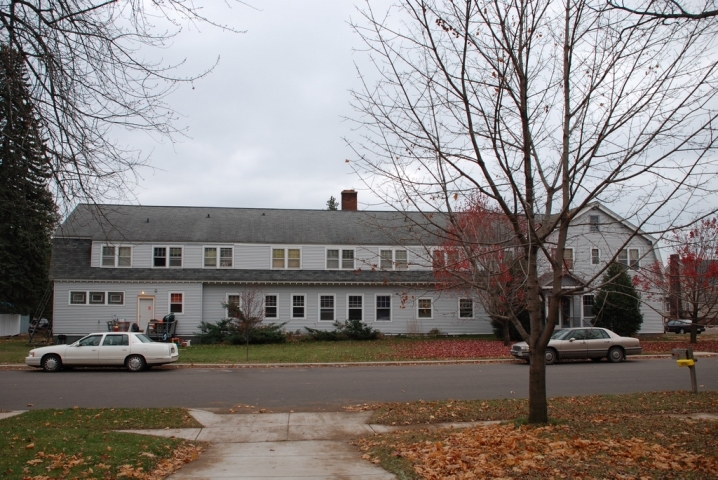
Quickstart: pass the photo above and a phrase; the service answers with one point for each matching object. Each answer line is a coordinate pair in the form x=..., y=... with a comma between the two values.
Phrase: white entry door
x=145, y=311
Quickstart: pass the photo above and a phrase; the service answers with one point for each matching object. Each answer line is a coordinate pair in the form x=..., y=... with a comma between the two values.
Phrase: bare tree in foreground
x=669, y=9
x=90, y=70
x=542, y=107
x=246, y=313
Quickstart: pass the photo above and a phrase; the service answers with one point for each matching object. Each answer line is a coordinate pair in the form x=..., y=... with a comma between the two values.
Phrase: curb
x=21, y=366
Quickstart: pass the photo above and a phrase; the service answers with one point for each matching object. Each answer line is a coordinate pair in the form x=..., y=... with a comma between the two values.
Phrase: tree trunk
x=247, y=347
x=507, y=336
x=694, y=332
x=538, y=406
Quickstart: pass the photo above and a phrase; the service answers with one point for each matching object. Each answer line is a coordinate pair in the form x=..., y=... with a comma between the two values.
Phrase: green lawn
x=82, y=443
x=386, y=349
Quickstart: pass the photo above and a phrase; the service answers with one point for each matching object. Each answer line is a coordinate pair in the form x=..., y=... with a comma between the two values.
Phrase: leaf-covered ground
x=626, y=436
x=82, y=443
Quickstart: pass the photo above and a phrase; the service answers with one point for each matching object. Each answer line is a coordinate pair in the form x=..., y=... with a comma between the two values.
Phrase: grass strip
x=82, y=443
x=386, y=349
x=601, y=436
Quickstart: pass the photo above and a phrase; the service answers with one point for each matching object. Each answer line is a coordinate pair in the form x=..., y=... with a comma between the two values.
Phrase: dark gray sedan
x=594, y=343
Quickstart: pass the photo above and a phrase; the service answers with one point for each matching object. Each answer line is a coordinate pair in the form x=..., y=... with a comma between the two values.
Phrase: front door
x=145, y=311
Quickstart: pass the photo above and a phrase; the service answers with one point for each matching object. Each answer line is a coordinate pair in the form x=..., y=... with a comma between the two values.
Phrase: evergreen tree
x=27, y=209
x=332, y=203
x=618, y=304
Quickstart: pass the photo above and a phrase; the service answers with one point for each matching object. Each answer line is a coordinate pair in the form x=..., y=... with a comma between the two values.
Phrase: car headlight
x=31, y=354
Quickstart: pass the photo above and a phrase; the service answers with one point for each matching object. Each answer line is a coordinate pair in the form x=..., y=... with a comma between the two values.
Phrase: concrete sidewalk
x=283, y=445
x=278, y=445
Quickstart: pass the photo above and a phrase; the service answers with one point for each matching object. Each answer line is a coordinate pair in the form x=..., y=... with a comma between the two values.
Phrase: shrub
x=349, y=330
x=225, y=331
x=618, y=305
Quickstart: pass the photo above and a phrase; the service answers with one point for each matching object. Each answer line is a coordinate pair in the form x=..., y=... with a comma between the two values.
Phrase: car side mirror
x=572, y=340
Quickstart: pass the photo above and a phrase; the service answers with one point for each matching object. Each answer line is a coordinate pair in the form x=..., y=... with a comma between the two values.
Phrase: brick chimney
x=349, y=200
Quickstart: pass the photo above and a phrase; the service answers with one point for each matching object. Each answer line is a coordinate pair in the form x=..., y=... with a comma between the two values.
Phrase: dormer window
x=218, y=256
x=394, y=259
x=116, y=256
x=167, y=257
x=289, y=258
x=337, y=258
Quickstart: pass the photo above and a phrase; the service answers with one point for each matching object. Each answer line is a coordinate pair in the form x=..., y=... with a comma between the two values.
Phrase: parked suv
x=682, y=326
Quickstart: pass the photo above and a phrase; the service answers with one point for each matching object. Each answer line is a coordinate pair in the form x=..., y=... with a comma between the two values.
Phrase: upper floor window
x=337, y=258
x=286, y=258
x=393, y=259
x=595, y=256
x=594, y=223
x=629, y=257
x=222, y=256
x=116, y=256
x=167, y=257
x=567, y=257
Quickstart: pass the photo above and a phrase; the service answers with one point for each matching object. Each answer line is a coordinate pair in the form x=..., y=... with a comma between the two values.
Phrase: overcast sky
x=266, y=126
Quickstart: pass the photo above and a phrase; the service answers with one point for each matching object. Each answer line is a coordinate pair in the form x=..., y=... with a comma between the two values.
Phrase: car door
x=597, y=343
x=574, y=345
x=84, y=352
x=114, y=349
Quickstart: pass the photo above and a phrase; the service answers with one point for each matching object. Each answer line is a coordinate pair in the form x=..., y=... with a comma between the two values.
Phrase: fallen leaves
x=506, y=451
x=451, y=348
x=65, y=463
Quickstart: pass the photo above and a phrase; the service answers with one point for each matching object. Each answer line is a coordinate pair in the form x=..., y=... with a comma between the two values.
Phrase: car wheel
x=551, y=356
x=680, y=331
x=615, y=355
x=595, y=359
x=135, y=363
x=51, y=363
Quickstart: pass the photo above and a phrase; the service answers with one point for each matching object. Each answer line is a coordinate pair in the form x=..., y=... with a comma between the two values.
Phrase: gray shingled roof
x=243, y=225
x=71, y=261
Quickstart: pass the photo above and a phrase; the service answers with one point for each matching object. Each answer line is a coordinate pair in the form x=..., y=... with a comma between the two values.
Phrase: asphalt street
x=328, y=388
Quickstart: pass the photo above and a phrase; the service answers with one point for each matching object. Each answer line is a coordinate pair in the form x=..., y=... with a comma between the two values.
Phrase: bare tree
x=89, y=69
x=246, y=312
x=669, y=9
x=543, y=107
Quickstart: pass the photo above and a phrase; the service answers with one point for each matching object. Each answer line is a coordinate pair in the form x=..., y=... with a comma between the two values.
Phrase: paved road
x=327, y=388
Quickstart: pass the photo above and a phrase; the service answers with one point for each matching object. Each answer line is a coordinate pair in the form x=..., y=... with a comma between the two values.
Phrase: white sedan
x=135, y=351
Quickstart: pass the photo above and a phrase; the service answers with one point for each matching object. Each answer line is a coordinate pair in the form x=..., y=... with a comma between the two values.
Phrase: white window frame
x=107, y=297
x=226, y=301
x=286, y=257
x=115, y=256
x=583, y=305
x=218, y=249
x=264, y=304
x=96, y=292
x=363, y=305
x=418, y=303
x=291, y=305
x=628, y=257
x=394, y=261
x=87, y=293
x=167, y=255
x=334, y=308
x=473, y=308
x=169, y=302
x=69, y=299
x=590, y=253
x=594, y=227
x=376, y=307
x=340, y=260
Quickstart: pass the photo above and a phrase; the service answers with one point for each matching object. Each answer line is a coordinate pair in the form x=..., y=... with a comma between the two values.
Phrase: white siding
x=82, y=319
x=193, y=256
x=142, y=256
x=252, y=257
x=313, y=257
x=404, y=314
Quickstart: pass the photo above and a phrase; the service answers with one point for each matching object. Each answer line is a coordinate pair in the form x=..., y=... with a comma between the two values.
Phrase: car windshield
x=559, y=335
x=143, y=338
